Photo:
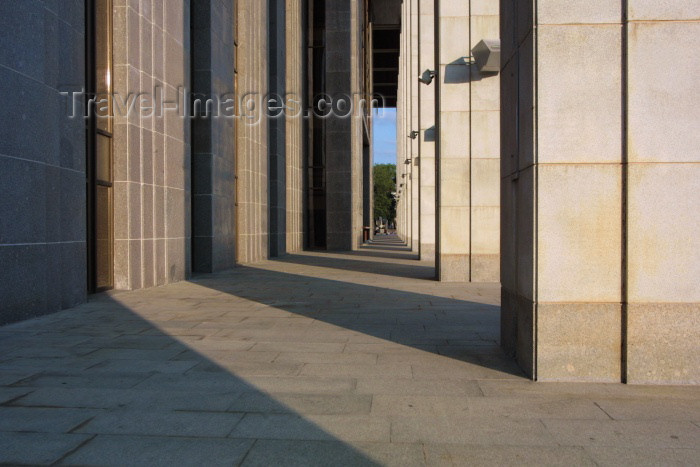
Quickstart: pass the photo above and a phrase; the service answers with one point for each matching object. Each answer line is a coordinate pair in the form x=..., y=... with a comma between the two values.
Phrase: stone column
x=484, y=171
x=454, y=131
x=662, y=151
x=401, y=168
x=412, y=96
x=601, y=255
x=277, y=147
x=213, y=236
x=152, y=158
x=562, y=191
x=295, y=51
x=426, y=127
x=252, y=145
x=343, y=141
x=468, y=128
x=404, y=111
x=357, y=16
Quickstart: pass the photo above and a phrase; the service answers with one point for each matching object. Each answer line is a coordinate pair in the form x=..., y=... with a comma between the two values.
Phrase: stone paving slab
x=350, y=428
x=44, y=419
x=10, y=394
x=642, y=456
x=316, y=359
x=171, y=423
x=629, y=433
x=317, y=404
x=159, y=451
x=462, y=429
x=498, y=455
x=37, y=448
x=313, y=453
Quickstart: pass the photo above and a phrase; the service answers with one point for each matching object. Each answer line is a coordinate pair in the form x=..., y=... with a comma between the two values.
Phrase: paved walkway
x=318, y=359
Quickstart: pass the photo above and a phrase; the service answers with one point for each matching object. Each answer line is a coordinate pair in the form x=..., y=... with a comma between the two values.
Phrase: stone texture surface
x=252, y=171
x=42, y=159
x=597, y=191
x=152, y=160
x=468, y=212
x=578, y=233
x=663, y=251
x=213, y=137
x=277, y=128
x=315, y=359
x=343, y=163
x=660, y=343
x=579, y=342
x=426, y=122
x=654, y=92
x=295, y=160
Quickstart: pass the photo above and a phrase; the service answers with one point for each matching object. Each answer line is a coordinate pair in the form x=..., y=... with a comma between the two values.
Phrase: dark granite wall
x=213, y=139
x=42, y=159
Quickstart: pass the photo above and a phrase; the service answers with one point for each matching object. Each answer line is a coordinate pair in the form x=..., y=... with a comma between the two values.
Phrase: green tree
x=384, y=186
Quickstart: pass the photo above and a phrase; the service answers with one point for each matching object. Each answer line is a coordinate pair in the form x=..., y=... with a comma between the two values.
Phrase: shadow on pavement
x=100, y=385
x=456, y=329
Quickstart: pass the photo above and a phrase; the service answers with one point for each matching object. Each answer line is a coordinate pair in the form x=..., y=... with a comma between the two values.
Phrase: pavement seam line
x=74, y=450
x=603, y=410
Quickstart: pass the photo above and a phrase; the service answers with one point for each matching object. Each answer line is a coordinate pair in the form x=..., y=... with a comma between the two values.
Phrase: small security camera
x=427, y=76
x=413, y=135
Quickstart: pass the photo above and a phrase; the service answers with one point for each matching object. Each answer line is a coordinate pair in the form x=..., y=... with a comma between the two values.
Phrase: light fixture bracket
x=427, y=76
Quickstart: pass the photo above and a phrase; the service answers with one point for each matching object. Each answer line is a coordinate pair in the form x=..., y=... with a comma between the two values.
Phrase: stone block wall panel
x=42, y=159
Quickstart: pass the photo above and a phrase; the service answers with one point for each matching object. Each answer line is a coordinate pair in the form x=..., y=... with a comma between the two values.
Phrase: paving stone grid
x=315, y=359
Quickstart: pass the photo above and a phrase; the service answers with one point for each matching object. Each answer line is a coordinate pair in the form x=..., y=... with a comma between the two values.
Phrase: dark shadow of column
x=100, y=385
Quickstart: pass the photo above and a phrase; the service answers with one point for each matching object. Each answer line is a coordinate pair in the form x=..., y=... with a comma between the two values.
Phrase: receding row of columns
x=567, y=176
x=450, y=204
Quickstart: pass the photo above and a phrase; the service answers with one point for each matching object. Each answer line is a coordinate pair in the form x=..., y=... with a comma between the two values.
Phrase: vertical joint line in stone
x=535, y=182
x=471, y=145
x=438, y=185
x=624, y=186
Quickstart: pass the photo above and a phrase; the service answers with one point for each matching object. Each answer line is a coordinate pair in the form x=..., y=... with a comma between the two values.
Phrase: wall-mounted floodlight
x=427, y=76
x=487, y=55
x=407, y=162
x=413, y=135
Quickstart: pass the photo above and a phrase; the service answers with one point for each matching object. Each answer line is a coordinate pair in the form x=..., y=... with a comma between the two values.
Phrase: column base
x=486, y=268
x=662, y=343
x=427, y=252
x=453, y=268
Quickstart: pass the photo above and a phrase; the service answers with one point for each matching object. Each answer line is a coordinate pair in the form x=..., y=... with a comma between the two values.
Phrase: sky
x=384, y=132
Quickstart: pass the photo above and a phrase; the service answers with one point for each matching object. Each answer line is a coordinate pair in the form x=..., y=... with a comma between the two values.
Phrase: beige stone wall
x=402, y=170
x=294, y=127
x=454, y=132
x=426, y=126
x=412, y=94
x=357, y=126
x=151, y=154
x=663, y=193
x=252, y=157
x=564, y=185
x=485, y=152
x=600, y=260
x=469, y=207
x=405, y=172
